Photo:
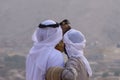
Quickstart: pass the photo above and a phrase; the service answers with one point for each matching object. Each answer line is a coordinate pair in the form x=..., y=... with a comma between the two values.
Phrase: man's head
x=74, y=42
x=48, y=33
x=65, y=25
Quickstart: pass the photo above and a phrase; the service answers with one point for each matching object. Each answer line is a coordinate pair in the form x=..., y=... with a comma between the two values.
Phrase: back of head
x=48, y=31
x=75, y=36
x=74, y=42
x=45, y=30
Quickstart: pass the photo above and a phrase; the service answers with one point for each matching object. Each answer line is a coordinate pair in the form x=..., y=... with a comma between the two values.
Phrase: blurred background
x=98, y=20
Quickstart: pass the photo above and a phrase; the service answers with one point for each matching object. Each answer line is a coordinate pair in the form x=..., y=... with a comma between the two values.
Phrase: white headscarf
x=74, y=44
x=45, y=40
x=49, y=37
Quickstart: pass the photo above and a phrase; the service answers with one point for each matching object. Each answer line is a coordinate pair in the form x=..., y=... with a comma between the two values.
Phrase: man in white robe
x=77, y=67
x=43, y=54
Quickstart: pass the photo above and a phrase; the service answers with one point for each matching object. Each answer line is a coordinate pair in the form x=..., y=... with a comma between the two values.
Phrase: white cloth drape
x=74, y=44
x=43, y=54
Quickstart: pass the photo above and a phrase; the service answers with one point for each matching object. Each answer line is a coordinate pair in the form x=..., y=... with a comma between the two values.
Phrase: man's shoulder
x=55, y=51
x=56, y=54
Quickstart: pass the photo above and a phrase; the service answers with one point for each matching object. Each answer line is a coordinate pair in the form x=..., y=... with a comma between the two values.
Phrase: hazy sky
x=97, y=19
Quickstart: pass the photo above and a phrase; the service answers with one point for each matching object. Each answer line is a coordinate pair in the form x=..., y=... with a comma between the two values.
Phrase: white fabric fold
x=74, y=44
x=43, y=53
